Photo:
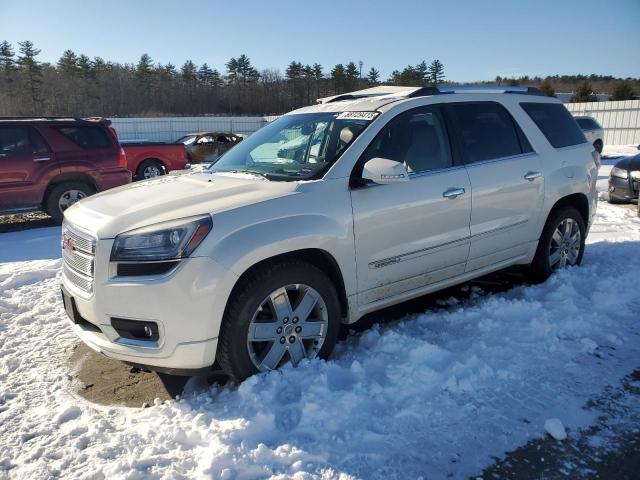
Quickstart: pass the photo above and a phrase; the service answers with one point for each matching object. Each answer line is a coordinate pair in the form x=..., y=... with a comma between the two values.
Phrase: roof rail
x=425, y=91
x=355, y=96
x=55, y=119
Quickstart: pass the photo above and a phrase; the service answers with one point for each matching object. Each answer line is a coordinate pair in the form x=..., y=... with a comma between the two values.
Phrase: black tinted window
x=86, y=137
x=587, y=124
x=487, y=131
x=416, y=138
x=15, y=141
x=556, y=123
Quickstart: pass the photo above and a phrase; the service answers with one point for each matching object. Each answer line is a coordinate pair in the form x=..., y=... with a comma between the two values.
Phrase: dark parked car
x=49, y=164
x=208, y=146
x=624, y=180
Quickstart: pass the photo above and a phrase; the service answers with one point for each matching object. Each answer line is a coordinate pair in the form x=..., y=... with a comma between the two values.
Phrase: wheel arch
x=579, y=201
x=68, y=177
x=319, y=258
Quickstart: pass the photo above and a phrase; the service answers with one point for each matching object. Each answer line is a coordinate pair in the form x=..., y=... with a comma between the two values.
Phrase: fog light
x=135, y=329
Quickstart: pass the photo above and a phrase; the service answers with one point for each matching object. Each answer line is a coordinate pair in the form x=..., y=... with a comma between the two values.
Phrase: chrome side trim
x=418, y=253
x=414, y=254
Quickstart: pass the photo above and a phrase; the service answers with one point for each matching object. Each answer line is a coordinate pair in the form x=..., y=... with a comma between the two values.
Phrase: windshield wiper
x=248, y=172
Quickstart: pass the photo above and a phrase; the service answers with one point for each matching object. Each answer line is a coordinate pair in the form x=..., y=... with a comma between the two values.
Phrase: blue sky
x=475, y=40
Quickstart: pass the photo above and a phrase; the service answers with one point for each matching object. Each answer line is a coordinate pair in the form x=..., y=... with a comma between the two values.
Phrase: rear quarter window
x=556, y=123
x=86, y=137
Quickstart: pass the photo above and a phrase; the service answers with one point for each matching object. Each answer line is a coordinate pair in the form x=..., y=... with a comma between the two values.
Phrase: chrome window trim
x=501, y=159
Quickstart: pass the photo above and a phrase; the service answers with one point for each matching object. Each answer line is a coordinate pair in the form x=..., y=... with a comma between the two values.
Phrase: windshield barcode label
x=357, y=115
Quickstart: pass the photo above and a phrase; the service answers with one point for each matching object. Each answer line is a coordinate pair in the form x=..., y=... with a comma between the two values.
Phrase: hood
x=629, y=163
x=169, y=197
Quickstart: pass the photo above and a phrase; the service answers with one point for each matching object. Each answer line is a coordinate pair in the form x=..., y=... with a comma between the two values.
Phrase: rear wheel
x=284, y=312
x=150, y=169
x=64, y=195
x=561, y=244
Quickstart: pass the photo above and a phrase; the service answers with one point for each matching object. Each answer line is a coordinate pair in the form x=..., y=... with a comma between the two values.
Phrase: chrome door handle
x=531, y=176
x=42, y=159
x=453, y=193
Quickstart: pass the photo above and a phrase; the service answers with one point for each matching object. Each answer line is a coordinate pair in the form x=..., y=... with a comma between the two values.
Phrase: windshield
x=187, y=139
x=295, y=147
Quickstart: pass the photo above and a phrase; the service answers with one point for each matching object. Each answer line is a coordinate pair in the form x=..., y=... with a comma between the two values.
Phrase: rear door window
x=588, y=124
x=556, y=123
x=86, y=136
x=486, y=131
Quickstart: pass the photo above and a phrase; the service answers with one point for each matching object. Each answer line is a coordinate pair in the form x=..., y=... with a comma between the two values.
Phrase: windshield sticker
x=357, y=115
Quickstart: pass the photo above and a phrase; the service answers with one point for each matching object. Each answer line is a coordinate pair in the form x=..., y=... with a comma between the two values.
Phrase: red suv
x=49, y=164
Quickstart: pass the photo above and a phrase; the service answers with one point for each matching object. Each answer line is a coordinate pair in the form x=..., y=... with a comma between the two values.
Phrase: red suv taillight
x=122, y=160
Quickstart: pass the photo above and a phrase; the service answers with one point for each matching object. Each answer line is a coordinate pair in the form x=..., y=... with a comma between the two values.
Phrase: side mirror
x=384, y=171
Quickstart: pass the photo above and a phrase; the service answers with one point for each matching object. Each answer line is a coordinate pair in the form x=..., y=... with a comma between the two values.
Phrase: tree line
x=82, y=86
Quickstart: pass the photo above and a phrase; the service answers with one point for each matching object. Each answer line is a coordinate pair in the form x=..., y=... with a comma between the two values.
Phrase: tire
x=150, y=169
x=598, y=146
x=63, y=196
x=251, y=304
x=541, y=267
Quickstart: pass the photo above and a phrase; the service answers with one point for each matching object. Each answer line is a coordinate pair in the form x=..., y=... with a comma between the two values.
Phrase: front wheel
x=561, y=244
x=284, y=312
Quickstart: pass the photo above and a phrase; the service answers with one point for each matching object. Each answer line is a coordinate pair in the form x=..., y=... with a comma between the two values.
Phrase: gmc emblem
x=68, y=243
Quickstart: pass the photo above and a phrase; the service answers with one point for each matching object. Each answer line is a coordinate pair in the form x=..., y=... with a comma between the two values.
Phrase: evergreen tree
x=204, y=75
x=423, y=71
x=436, y=72
x=68, y=63
x=32, y=71
x=339, y=78
x=373, y=77
x=144, y=72
x=623, y=91
x=409, y=77
x=352, y=75
x=547, y=88
x=85, y=67
x=7, y=60
x=189, y=73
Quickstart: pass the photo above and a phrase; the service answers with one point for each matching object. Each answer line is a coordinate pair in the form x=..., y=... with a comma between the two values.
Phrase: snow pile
x=433, y=395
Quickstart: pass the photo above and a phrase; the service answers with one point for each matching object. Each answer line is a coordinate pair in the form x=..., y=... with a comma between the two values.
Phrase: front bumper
x=187, y=304
x=623, y=189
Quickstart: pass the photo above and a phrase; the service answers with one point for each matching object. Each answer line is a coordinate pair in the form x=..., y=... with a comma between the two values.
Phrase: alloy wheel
x=289, y=325
x=566, y=241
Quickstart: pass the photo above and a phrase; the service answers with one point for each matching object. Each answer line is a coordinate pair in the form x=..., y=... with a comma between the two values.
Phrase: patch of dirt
x=110, y=382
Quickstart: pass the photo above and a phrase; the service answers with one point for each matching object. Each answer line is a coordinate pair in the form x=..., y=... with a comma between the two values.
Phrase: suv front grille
x=78, y=253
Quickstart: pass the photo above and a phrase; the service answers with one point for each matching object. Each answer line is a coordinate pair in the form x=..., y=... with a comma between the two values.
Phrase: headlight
x=619, y=172
x=636, y=174
x=162, y=241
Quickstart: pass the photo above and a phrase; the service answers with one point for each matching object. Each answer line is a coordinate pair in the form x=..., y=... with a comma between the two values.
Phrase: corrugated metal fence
x=621, y=120
x=169, y=129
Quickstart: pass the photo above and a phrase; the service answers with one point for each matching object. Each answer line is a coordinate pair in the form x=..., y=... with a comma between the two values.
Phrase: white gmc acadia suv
x=326, y=214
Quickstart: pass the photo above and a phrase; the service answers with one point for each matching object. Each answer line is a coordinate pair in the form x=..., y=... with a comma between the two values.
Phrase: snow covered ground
x=430, y=395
